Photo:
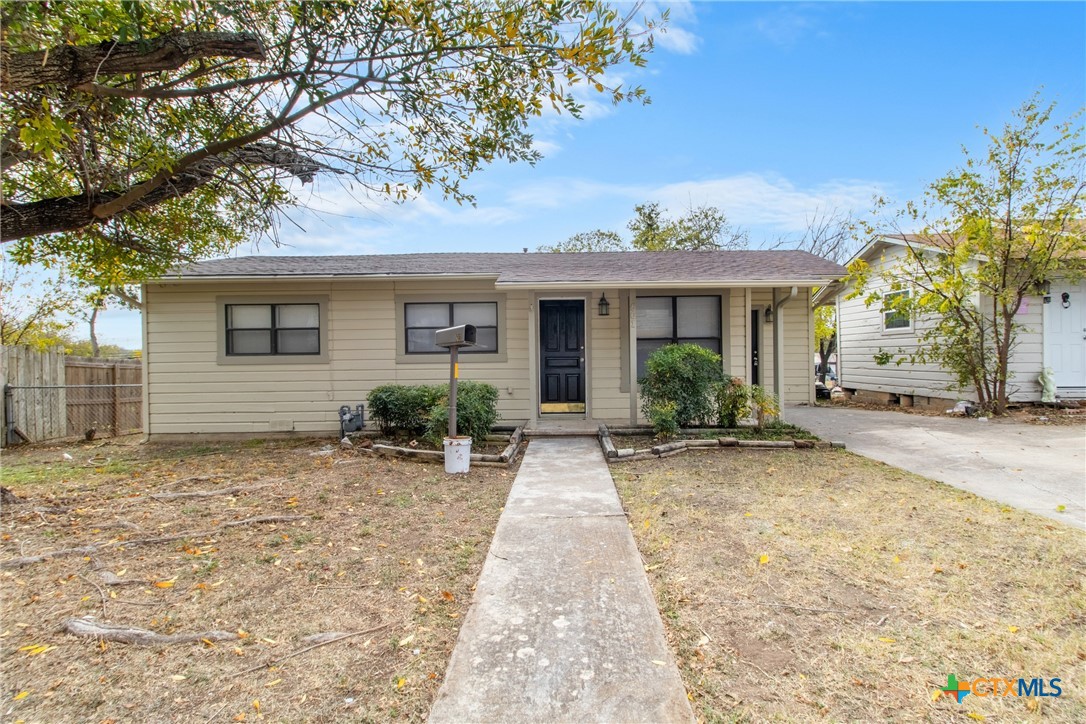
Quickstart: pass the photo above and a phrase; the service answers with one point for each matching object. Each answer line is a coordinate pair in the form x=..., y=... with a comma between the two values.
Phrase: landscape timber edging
x=614, y=454
x=506, y=459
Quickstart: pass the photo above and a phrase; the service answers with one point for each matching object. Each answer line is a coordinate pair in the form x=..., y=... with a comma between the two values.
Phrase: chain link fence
x=34, y=413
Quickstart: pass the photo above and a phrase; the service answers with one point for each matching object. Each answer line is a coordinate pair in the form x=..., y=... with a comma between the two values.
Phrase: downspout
x=778, y=344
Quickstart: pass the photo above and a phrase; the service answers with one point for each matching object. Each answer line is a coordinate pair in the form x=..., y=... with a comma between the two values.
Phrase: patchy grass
x=820, y=585
x=380, y=544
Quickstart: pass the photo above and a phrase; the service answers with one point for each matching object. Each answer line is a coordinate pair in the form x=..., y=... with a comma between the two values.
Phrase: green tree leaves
x=139, y=135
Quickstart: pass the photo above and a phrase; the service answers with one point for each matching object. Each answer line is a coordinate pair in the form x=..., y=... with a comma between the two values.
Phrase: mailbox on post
x=453, y=338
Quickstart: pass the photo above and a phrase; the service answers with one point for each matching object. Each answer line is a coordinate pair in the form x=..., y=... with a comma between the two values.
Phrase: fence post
x=116, y=399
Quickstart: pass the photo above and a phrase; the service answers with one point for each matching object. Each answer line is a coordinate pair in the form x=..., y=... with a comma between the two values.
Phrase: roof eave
x=319, y=277
x=669, y=284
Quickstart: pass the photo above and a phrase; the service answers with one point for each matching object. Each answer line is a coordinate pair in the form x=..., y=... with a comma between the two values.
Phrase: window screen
x=676, y=320
x=423, y=319
x=272, y=329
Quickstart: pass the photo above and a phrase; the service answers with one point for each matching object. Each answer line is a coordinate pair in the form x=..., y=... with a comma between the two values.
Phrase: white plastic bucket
x=457, y=454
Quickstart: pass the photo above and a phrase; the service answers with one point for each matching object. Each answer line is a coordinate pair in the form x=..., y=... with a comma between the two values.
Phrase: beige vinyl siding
x=188, y=392
x=606, y=356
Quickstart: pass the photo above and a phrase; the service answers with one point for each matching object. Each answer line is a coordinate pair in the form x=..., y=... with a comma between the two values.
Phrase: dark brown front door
x=561, y=356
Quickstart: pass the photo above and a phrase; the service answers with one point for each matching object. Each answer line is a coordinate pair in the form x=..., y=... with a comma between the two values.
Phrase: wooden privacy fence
x=48, y=395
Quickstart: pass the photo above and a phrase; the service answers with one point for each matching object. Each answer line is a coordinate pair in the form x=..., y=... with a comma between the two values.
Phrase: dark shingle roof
x=537, y=268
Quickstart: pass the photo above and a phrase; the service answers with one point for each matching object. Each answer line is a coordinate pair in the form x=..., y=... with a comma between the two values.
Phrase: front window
x=676, y=320
x=272, y=329
x=423, y=319
x=891, y=317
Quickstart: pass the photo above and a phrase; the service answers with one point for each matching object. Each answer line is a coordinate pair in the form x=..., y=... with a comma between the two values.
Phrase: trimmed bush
x=403, y=407
x=685, y=375
x=476, y=411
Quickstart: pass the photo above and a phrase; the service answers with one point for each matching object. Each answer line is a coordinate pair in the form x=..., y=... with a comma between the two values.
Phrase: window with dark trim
x=676, y=320
x=422, y=319
x=893, y=318
x=272, y=329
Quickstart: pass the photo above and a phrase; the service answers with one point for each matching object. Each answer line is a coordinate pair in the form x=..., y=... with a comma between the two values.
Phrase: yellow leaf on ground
x=975, y=716
x=887, y=640
x=1012, y=629
x=747, y=515
x=400, y=682
x=274, y=683
x=897, y=560
x=448, y=596
x=763, y=560
x=163, y=584
x=256, y=704
x=20, y=695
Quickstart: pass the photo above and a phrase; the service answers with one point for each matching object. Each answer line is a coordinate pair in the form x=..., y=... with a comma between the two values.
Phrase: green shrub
x=403, y=407
x=735, y=401
x=684, y=374
x=664, y=419
x=476, y=411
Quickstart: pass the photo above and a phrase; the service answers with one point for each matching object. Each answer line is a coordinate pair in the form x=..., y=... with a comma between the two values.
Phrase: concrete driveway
x=1034, y=467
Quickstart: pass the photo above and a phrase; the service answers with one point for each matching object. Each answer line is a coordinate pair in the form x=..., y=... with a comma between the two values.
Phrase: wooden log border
x=615, y=454
x=506, y=459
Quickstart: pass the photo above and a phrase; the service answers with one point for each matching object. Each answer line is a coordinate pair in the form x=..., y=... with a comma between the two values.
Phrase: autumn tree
x=141, y=134
x=35, y=308
x=987, y=235
x=702, y=228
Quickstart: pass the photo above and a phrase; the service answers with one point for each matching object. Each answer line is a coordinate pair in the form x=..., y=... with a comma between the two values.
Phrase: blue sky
x=769, y=111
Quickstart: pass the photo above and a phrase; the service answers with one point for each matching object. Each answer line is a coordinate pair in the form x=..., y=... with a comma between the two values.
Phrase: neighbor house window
x=892, y=318
x=423, y=319
x=272, y=329
x=676, y=320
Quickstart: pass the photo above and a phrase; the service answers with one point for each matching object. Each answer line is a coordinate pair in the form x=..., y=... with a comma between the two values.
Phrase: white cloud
x=751, y=199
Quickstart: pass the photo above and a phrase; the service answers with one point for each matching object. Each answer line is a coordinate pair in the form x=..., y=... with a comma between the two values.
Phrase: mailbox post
x=453, y=338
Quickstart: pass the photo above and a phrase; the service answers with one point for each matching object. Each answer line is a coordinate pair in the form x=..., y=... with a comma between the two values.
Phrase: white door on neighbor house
x=1065, y=334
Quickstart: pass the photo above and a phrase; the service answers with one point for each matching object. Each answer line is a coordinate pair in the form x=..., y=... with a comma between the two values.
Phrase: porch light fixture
x=605, y=306
x=768, y=315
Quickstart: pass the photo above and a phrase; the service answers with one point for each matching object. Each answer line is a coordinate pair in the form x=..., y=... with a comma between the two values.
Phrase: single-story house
x=267, y=344
x=1053, y=336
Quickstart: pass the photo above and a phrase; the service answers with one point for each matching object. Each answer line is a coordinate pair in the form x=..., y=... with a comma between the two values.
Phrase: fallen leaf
x=407, y=640
x=448, y=596
x=163, y=584
x=887, y=640
x=400, y=682
x=897, y=559
x=274, y=683
x=256, y=704
x=178, y=677
x=1012, y=629
x=763, y=559
x=975, y=716
x=747, y=515
x=21, y=695
x=659, y=663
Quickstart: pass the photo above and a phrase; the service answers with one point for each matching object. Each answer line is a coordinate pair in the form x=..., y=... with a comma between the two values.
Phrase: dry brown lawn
x=810, y=585
x=385, y=547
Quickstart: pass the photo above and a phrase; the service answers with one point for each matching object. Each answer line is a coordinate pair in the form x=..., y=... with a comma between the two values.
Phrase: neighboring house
x=276, y=344
x=1053, y=335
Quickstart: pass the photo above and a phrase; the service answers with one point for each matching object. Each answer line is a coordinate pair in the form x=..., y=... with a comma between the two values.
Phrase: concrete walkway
x=1034, y=467
x=563, y=626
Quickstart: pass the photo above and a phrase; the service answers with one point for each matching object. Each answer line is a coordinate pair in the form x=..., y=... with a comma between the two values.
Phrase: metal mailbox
x=462, y=335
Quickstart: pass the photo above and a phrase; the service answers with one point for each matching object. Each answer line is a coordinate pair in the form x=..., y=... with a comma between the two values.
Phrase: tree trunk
x=93, y=334
x=72, y=65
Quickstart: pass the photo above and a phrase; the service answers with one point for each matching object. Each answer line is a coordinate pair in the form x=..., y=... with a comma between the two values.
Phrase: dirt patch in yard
x=818, y=584
x=299, y=545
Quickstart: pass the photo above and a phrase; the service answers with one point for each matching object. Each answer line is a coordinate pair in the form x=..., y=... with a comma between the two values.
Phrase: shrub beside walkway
x=563, y=626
